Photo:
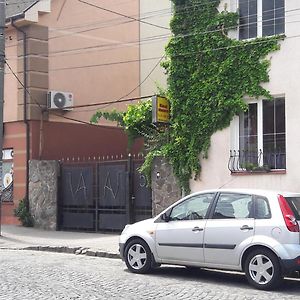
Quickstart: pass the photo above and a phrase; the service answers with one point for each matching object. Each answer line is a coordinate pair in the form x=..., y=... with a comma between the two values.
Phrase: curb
x=70, y=250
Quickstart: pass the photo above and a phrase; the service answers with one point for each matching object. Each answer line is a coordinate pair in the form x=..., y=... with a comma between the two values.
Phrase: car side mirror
x=165, y=217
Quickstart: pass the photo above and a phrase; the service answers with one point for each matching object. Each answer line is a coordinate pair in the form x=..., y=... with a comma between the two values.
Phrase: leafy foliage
x=23, y=214
x=136, y=121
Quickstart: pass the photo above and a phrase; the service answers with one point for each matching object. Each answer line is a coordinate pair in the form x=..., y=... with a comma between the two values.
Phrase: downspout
x=25, y=119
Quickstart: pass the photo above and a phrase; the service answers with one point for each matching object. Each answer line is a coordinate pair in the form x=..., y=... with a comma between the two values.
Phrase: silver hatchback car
x=255, y=231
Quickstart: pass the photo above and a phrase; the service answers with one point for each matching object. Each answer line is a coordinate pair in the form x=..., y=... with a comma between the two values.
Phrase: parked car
x=255, y=231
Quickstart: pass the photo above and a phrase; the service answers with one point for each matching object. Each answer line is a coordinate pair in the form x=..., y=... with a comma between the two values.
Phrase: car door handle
x=197, y=229
x=246, y=227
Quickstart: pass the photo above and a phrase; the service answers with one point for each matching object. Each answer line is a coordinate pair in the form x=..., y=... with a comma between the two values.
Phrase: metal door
x=112, y=211
x=141, y=195
x=77, y=206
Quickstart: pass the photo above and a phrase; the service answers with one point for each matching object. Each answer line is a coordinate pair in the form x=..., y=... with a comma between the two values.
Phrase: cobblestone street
x=29, y=275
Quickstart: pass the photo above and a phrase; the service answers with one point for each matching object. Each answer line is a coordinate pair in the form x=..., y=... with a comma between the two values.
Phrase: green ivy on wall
x=209, y=75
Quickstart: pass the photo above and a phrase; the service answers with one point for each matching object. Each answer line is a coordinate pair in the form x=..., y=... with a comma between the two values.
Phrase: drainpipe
x=25, y=119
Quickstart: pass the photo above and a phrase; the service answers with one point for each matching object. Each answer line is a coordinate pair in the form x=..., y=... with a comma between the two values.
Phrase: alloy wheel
x=261, y=269
x=137, y=256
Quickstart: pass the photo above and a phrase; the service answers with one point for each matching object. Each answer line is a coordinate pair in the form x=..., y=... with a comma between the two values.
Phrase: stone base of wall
x=165, y=189
x=43, y=193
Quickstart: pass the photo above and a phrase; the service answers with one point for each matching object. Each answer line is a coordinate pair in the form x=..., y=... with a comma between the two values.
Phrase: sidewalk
x=93, y=244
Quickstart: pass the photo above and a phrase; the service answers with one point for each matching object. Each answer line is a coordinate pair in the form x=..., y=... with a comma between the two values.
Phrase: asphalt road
x=29, y=275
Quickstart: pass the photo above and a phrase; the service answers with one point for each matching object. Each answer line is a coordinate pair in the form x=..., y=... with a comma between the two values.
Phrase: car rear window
x=294, y=203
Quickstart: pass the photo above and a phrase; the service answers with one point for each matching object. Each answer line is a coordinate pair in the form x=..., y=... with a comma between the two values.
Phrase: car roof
x=262, y=192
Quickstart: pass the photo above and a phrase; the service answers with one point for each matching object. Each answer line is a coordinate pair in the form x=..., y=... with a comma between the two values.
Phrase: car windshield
x=294, y=203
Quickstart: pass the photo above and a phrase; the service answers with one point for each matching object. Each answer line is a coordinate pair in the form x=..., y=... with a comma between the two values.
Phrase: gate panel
x=77, y=208
x=142, y=195
x=113, y=196
x=76, y=219
x=78, y=186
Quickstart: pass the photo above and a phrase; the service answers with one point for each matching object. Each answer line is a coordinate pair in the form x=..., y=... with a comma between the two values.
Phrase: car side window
x=262, y=208
x=233, y=206
x=193, y=208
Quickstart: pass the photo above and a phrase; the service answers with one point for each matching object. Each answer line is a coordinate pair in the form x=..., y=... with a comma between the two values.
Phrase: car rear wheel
x=138, y=256
x=263, y=270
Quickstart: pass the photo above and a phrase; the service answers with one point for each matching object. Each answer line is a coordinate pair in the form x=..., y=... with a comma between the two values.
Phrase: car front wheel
x=138, y=256
x=263, y=270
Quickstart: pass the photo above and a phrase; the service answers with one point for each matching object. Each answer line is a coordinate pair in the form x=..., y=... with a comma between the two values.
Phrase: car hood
x=140, y=226
x=143, y=223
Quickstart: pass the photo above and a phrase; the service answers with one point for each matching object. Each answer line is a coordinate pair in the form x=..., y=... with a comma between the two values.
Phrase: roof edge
x=30, y=13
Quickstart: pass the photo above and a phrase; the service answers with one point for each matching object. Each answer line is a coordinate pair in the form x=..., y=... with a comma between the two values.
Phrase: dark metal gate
x=102, y=196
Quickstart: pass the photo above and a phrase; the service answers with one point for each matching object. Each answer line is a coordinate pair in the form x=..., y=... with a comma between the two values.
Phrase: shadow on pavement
x=290, y=286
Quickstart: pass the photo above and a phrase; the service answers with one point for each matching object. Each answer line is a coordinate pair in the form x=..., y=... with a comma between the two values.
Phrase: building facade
x=88, y=52
x=100, y=56
x=259, y=149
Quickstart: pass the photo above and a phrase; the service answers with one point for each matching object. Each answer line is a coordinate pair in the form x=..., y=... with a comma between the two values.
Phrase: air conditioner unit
x=60, y=100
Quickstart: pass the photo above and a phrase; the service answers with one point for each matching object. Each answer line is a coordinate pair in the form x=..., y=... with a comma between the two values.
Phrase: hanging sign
x=160, y=110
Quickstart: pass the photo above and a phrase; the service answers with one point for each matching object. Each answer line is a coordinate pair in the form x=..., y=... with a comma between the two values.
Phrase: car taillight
x=288, y=215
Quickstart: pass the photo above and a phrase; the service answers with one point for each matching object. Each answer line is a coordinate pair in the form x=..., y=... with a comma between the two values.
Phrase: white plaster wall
x=157, y=12
x=284, y=80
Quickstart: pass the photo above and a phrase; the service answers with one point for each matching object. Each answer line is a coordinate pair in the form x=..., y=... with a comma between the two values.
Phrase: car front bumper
x=121, y=250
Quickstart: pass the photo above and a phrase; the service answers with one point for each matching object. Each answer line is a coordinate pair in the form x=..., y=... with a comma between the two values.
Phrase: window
x=294, y=203
x=274, y=133
x=193, y=208
x=248, y=19
x=261, y=18
x=262, y=135
x=272, y=17
x=233, y=206
x=248, y=135
x=262, y=209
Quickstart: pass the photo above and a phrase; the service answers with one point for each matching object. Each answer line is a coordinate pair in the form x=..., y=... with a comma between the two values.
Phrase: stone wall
x=165, y=189
x=43, y=187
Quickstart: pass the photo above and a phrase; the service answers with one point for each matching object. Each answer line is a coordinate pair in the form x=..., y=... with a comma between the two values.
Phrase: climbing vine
x=136, y=121
x=209, y=74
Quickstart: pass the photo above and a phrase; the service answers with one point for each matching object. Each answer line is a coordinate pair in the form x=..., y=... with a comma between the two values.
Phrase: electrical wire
x=125, y=16
x=138, y=86
x=146, y=15
x=42, y=109
x=145, y=41
x=193, y=53
x=121, y=62
x=245, y=44
x=61, y=10
x=104, y=64
x=156, y=38
x=72, y=33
